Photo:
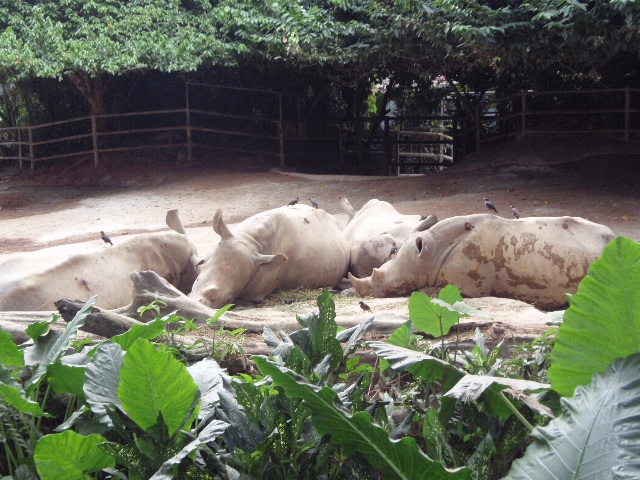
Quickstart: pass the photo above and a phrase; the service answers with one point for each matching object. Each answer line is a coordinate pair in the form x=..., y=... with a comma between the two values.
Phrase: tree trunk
x=92, y=90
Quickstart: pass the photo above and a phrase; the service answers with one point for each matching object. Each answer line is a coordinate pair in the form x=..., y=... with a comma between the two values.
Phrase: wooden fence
x=180, y=129
x=606, y=111
x=614, y=111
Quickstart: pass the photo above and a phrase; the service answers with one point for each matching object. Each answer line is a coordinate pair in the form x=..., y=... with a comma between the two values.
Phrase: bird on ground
x=105, y=239
x=515, y=212
x=364, y=306
x=293, y=202
x=314, y=201
x=490, y=205
x=394, y=249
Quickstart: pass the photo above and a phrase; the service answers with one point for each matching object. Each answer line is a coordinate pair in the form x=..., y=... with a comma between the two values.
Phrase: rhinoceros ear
x=270, y=262
x=195, y=261
x=345, y=206
x=174, y=223
x=426, y=224
x=220, y=227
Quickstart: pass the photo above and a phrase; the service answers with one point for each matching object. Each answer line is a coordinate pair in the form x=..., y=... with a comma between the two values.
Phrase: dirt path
x=34, y=215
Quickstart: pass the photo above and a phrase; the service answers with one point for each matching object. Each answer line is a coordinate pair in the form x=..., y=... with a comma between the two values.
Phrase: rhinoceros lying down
x=35, y=282
x=373, y=230
x=279, y=248
x=536, y=260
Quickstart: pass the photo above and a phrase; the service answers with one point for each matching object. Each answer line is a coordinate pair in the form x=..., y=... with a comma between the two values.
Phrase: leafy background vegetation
x=103, y=51
x=138, y=406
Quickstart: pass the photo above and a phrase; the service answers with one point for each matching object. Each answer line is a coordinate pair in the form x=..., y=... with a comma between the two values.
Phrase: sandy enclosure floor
x=67, y=209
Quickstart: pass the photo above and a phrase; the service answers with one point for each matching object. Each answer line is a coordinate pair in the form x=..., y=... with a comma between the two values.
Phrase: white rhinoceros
x=279, y=248
x=33, y=282
x=374, y=230
x=536, y=260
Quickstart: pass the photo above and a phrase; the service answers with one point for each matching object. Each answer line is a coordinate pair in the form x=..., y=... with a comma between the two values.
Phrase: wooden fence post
x=31, y=152
x=523, y=113
x=19, y=147
x=478, y=128
x=281, y=129
x=627, y=113
x=94, y=134
x=188, y=119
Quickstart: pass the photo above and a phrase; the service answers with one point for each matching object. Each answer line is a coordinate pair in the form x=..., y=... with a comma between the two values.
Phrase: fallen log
x=149, y=287
x=99, y=322
x=16, y=323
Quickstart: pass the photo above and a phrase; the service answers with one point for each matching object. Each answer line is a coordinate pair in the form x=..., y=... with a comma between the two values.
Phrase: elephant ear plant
x=127, y=408
x=595, y=366
x=134, y=408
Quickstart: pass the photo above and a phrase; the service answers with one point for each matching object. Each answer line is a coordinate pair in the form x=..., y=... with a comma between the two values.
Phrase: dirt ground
x=594, y=178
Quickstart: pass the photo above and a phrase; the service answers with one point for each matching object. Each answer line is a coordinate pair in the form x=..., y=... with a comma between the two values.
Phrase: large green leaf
x=11, y=392
x=213, y=430
x=210, y=378
x=102, y=378
x=154, y=383
x=597, y=435
x=322, y=331
x=10, y=354
x=430, y=318
x=433, y=369
x=70, y=456
x=400, y=459
x=436, y=316
x=470, y=387
x=66, y=378
x=419, y=364
x=148, y=330
x=53, y=346
x=603, y=319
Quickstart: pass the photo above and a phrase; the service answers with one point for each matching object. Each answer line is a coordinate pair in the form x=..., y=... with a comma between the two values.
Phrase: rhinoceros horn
x=362, y=285
x=220, y=227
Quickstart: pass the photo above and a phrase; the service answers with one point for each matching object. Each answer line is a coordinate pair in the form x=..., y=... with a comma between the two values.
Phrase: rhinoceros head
x=231, y=267
x=407, y=271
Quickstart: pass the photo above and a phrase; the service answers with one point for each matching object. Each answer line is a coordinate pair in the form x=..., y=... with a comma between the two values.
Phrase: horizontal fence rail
x=604, y=111
x=180, y=130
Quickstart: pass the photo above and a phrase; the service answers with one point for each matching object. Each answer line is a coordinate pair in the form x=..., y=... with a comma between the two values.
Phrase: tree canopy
x=472, y=44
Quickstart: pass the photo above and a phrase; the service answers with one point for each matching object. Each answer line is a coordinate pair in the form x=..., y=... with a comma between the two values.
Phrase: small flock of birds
x=313, y=200
x=489, y=204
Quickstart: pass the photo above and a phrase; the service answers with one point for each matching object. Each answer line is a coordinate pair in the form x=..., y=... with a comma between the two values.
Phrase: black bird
x=489, y=205
x=515, y=212
x=314, y=201
x=293, y=202
x=364, y=306
x=105, y=239
x=394, y=249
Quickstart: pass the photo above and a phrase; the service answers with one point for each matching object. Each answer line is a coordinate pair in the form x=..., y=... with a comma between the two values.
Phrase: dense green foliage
x=425, y=409
x=466, y=45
